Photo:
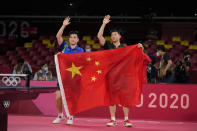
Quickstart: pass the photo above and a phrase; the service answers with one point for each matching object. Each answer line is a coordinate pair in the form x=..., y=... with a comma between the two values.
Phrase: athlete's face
x=73, y=39
x=115, y=36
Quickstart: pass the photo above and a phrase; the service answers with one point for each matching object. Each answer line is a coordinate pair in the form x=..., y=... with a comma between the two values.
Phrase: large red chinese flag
x=101, y=78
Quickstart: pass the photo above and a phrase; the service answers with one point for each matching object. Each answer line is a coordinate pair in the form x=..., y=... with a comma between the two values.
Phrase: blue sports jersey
x=67, y=48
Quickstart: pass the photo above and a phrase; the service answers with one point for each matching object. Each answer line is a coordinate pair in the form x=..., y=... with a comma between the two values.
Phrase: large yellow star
x=75, y=70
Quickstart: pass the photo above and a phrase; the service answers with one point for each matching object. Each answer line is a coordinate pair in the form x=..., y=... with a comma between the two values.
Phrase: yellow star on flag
x=99, y=71
x=88, y=59
x=97, y=63
x=93, y=78
x=75, y=70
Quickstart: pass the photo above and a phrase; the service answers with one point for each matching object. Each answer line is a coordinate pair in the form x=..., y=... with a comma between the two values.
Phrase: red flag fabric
x=100, y=78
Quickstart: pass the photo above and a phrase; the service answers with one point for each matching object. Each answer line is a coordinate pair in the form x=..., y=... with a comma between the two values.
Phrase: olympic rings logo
x=11, y=81
x=6, y=104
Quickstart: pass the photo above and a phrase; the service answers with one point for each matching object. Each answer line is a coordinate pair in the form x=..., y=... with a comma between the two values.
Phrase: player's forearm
x=101, y=30
x=100, y=34
x=59, y=34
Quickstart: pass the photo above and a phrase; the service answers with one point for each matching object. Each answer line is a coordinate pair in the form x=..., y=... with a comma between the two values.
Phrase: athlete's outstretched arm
x=61, y=30
x=106, y=20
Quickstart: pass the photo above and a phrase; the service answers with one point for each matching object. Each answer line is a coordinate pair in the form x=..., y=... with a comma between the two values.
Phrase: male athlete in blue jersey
x=71, y=48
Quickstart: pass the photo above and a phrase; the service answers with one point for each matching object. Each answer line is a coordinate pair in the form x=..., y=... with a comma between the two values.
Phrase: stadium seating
x=43, y=50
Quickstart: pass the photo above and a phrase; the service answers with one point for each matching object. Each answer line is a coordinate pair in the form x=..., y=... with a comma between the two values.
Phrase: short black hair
x=20, y=60
x=161, y=47
x=74, y=32
x=115, y=29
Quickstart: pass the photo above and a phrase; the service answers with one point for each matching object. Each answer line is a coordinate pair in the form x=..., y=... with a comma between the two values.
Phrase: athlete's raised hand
x=66, y=21
x=106, y=19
